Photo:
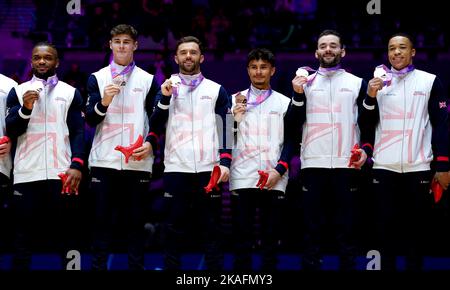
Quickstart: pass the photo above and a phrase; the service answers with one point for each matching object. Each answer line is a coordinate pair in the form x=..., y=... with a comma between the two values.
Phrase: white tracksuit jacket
x=260, y=138
x=330, y=130
x=125, y=119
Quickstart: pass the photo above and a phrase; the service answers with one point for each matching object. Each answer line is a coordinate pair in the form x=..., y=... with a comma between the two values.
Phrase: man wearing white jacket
x=407, y=107
x=120, y=102
x=194, y=109
x=263, y=146
x=44, y=118
x=333, y=98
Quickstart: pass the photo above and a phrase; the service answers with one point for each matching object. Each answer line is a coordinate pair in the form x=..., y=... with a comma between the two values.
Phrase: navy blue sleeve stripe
x=223, y=105
x=296, y=115
x=437, y=108
x=291, y=127
x=75, y=123
x=149, y=105
x=367, y=119
x=159, y=117
x=94, y=97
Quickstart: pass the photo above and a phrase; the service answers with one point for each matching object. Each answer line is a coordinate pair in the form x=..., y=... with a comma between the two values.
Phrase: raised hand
x=108, y=94
x=29, y=98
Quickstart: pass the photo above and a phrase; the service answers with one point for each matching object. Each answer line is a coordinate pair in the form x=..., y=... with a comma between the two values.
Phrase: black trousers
x=329, y=194
x=119, y=193
x=403, y=206
x=187, y=204
x=5, y=195
x=39, y=219
x=245, y=203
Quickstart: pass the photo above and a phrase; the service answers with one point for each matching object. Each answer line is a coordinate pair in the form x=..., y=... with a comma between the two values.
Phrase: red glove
x=263, y=176
x=128, y=151
x=437, y=190
x=4, y=139
x=356, y=155
x=213, y=180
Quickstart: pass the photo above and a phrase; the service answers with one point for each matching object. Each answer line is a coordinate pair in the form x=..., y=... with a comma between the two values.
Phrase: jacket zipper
x=45, y=130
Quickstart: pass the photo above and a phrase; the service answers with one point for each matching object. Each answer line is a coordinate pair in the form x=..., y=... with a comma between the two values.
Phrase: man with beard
x=408, y=108
x=333, y=98
x=44, y=118
x=121, y=97
x=194, y=108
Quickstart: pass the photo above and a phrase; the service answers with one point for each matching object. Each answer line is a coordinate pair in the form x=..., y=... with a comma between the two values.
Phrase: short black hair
x=124, y=29
x=403, y=34
x=48, y=44
x=263, y=54
x=189, y=38
x=332, y=32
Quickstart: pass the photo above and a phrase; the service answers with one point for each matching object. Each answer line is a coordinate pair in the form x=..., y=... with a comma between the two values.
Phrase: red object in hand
x=437, y=190
x=356, y=155
x=263, y=177
x=4, y=139
x=213, y=180
x=128, y=151
x=64, y=177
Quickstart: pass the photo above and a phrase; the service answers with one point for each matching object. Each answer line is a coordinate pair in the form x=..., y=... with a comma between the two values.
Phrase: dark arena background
x=228, y=30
